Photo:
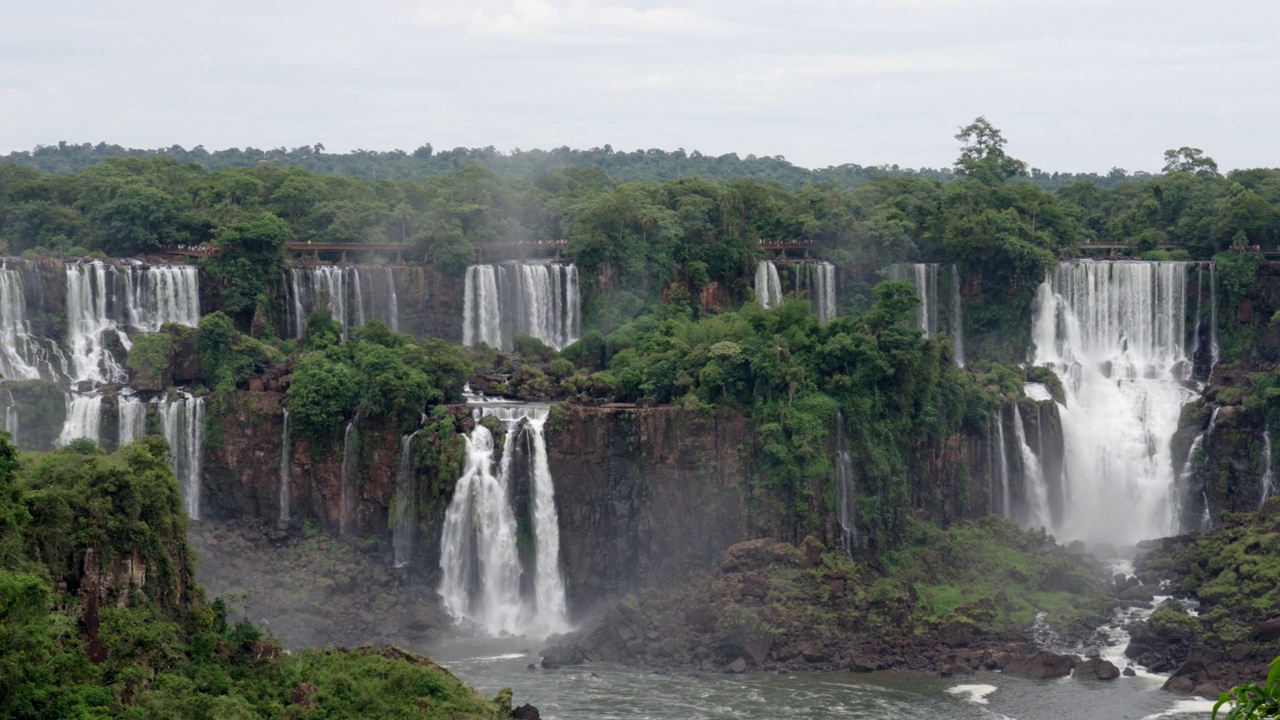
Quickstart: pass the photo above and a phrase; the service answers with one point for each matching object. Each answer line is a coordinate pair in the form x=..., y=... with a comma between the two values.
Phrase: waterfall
x=1268, y=475
x=1035, y=493
x=486, y=578
x=88, y=324
x=9, y=420
x=393, y=303
x=1004, y=465
x=925, y=278
x=931, y=318
x=404, y=519
x=350, y=294
x=768, y=286
x=159, y=294
x=845, y=496
x=182, y=421
x=1188, y=472
x=21, y=355
x=131, y=416
x=350, y=467
x=286, y=458
x=822, y=289
x=1115, y=332
x=1213, y=315
x=957, y=317
x=537, y=299
x=84, y=419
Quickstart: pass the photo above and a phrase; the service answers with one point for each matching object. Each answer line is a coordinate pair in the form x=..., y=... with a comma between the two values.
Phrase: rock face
x=644, y=495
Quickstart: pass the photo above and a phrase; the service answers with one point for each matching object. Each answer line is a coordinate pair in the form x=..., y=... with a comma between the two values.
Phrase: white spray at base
x=481, y=565
x=1115, y=333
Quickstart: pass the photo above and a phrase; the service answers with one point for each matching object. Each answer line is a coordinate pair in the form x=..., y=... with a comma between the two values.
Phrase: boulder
x=526, y=712
x=1096, y=669
x=1040, y=666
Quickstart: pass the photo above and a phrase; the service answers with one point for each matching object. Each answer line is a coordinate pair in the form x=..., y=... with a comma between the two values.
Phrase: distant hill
x=523, y=165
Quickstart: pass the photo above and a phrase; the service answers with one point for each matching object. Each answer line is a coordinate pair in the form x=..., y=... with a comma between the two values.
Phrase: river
x=602, y=692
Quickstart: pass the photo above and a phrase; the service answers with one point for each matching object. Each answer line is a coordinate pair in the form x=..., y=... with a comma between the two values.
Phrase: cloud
x=573, y=21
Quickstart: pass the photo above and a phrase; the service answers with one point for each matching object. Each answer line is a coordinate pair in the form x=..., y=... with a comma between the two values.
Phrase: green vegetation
x=99, y=617
x=374, y=373
x=1250, y=700
x=898, y=392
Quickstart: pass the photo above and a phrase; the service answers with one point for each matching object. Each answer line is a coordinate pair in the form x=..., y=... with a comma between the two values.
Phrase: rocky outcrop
x=1041, y=666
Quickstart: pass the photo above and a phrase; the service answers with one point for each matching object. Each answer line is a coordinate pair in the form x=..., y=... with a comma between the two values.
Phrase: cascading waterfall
x=537, y=299
x=1187, y=475
x=403, y=520
x=84, y=419
x=131, y=417
x=931, y=317
x=1035, y=493
x=353, y=295
x=350, y=469
x=815, y=280
x=157, y=294
x=22, y=356
x=845, y=497
x=1115, y=333
x=182, y=421
x=1002, y=454
x=1268, y=475
x=89, y=322
x=485, y=580
x=768, y=285
x=286, y=461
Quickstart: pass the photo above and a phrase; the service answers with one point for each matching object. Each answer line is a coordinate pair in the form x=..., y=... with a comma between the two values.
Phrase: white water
x=404, y=520
x=823, y=290
x=350, y=468
x=537, y=299
x=845, y=496
x=931, y=318
x=815, y=280
x=1035, y=493
x=159, y=294
x=182, y=421
x=88, y=322
x=480, y=563
x=768, y=286
x=21, y=355
x=1115, y=333
x=351, y=294
x=1003, y=455
x=131, y=416
x=84, y=419
x=286, y=461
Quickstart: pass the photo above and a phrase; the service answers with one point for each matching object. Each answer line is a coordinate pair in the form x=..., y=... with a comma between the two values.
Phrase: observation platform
x=788, y=250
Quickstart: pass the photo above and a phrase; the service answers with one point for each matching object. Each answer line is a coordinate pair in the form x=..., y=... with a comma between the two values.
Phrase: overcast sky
x=1075, y=85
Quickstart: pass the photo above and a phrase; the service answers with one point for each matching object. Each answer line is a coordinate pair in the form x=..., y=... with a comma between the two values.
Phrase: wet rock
x=1040, y=666
x=526, y=712
x=1096, y=669
x=750, y=639
x=1129, y=672
x=562, y=655
x=737, y=666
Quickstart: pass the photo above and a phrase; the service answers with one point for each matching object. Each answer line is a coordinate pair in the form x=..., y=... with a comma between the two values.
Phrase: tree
x=1190, y=160
x=982, y=155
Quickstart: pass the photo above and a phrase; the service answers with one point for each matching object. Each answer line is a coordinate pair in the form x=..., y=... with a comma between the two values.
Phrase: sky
x=1074, y=85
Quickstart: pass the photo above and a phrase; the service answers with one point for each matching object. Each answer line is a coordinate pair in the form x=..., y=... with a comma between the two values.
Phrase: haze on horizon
x=1079, y=85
